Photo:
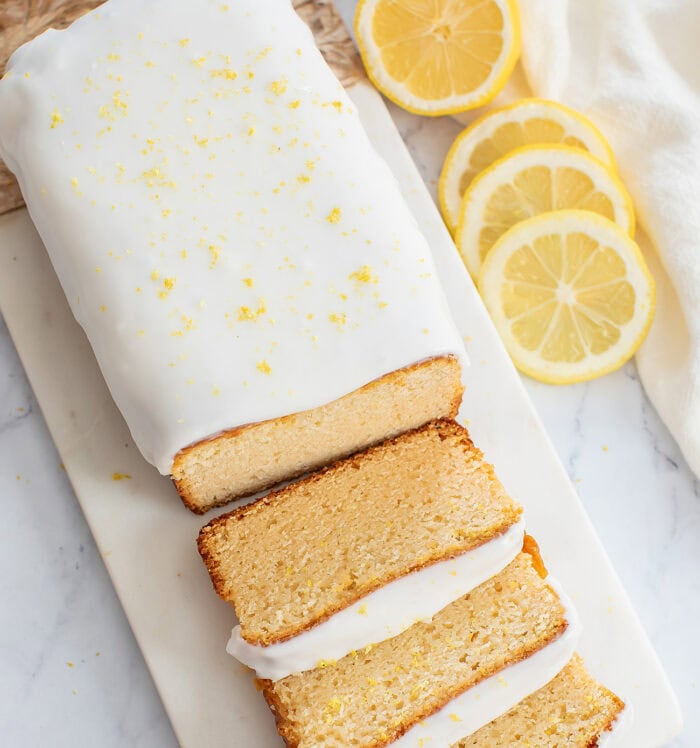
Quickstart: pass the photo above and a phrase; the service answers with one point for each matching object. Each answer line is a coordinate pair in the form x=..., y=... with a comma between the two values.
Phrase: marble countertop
x=72, y=673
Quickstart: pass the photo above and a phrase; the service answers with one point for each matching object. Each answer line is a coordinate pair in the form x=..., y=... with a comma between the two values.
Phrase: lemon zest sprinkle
x=334, y=216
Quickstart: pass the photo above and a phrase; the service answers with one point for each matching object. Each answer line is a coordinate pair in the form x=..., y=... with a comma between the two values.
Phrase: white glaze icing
x=223, y=229
x=383, y=613
x=494, y=696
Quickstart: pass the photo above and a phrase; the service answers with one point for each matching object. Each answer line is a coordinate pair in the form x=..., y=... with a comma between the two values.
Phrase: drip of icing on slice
x=384, y=613
x=224, y=231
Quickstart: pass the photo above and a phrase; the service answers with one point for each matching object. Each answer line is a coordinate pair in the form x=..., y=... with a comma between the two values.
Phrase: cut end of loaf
x=252, y=458
x=412, y=501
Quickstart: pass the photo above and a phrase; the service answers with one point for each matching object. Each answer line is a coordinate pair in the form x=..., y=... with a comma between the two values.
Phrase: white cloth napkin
x=633, y=66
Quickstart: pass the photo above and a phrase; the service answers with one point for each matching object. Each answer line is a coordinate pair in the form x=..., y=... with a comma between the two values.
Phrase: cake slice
x=256, y=291
x=573, y=709
x=425, y=674
x=423, y=505
x=259, y=455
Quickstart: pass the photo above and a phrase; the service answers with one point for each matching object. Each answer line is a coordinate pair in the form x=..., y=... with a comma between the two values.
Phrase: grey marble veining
x=71, y=672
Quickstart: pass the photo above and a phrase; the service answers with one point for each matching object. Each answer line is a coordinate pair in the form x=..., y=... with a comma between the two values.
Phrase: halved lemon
x=526, y=122
x=438, y=56
x=570, y=295
x=531, y=180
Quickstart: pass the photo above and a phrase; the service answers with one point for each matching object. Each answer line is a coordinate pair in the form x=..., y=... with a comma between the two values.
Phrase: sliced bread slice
x=295, y=557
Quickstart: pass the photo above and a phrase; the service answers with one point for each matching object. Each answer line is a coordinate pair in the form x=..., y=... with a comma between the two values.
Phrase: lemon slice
x=438, y=56
x=570, y=295
x=527, y=122
x=531, y=180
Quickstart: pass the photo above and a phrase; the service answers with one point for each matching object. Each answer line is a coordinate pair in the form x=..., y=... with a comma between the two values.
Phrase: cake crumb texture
x=370, y=698
x=571, y=710
x=257, y=456
x=423, y=497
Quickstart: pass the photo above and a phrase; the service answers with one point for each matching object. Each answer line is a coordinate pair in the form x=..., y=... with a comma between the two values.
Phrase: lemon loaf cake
x=571, y=710
x=440, y=679
x=398, y=532
x=254, y=287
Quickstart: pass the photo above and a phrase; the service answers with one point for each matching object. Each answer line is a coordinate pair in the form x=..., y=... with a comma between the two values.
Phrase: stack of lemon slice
x=529, y=192
x=543, y=224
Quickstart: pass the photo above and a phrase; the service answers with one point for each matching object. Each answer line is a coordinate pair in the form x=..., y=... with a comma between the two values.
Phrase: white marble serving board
x=147, y=538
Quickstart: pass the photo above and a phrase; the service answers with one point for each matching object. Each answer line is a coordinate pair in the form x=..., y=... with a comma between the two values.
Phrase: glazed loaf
x=255, y=289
